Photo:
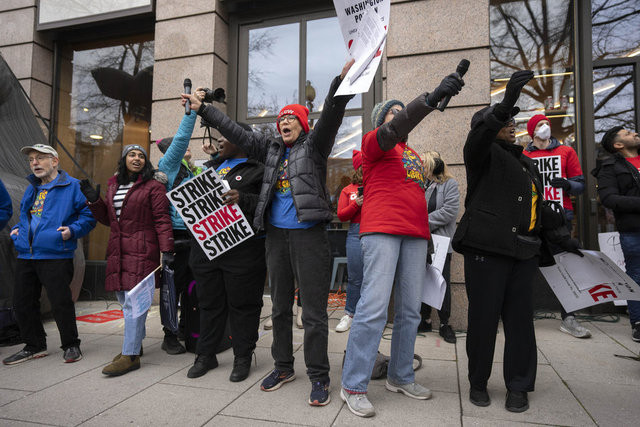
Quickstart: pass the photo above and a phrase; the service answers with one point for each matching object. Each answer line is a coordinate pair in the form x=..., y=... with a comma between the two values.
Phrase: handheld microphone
x=461, y=70
x=187, y=90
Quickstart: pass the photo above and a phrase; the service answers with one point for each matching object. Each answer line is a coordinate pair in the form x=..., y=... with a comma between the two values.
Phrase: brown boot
x=122, y=365
x=120, y=354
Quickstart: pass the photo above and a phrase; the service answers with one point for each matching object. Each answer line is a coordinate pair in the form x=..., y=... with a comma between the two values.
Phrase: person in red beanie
x=349, y=205
x=294, y=208
x=549, y=155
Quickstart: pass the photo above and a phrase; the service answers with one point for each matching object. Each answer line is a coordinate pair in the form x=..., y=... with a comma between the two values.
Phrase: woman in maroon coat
x=137, y=210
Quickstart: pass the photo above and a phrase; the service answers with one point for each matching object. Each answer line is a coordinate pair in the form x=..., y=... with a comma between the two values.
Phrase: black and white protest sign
x=549, y=167
x=217, y=227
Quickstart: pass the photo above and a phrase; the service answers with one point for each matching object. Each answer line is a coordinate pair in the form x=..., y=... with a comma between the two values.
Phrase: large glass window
x=536, y=35
x=104, y=104
x=615, y=25
x=293, y=60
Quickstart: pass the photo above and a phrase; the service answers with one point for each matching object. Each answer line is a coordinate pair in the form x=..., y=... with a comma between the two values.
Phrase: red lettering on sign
x=604, y=294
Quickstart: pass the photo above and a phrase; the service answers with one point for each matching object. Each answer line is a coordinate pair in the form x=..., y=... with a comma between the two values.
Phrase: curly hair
x=356, y=177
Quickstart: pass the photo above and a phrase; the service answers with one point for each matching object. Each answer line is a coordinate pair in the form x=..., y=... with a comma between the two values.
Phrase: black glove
x=571, y=245
x=559, y=182
x=450, y=86
x=92, y=194
x=517, y=81
x=169, y=259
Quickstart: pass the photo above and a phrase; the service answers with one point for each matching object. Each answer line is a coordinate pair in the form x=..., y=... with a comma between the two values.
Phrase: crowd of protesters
x=395, y=202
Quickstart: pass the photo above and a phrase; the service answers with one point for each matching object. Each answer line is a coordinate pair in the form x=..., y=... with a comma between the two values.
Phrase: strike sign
x=549, y=167
x=217, y=227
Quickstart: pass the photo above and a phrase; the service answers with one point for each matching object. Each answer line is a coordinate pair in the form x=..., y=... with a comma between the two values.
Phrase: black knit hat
x=164, y=143
x=609, y=137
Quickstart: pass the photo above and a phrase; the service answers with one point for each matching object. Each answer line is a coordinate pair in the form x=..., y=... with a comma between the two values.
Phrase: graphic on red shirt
x=283, y=185
x=414, y=167
x=36, y=209
x=635, y=161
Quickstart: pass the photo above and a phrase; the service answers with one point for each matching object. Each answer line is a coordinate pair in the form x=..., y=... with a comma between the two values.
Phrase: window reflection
x=615, y=27
x=535, y=35
x=273, y=69
x=613, y=99
x=105, y=103
x=326, y=53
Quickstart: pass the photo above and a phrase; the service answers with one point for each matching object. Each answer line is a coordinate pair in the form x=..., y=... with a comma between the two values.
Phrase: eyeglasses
x=39, y=158
x=287, y=119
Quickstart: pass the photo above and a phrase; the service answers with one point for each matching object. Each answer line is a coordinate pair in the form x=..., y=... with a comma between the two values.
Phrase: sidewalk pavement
x=579, y=383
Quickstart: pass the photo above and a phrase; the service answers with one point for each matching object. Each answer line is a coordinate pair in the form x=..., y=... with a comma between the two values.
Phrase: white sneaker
x=571, y=326
x=413, y=390
x=299, y=318
x=358, y=403
x=344, y=324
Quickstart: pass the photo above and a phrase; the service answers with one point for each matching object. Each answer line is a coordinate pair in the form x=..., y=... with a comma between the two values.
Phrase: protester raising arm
x=172, y=159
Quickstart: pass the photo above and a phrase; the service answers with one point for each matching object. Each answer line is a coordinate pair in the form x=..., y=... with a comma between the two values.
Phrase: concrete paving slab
x=289, y=404
x=480, y=422
x=610, y=404
x=552, y=403
x=16, y=423
x=438, y=375
x=620, y=332
x=156, y=405
x=226, y=421
x=394, y=409
x=79, y=398
x=7, y=395
x=218, y=378
x=432, y=346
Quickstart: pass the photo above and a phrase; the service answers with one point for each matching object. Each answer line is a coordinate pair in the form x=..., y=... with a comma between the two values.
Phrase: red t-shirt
x=394, y=183
x=569, y=167
x=635, y=161
x=348, y=209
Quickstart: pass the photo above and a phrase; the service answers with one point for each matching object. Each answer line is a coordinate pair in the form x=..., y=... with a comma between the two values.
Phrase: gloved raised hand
x=518, y=80
x=571, y=245
x=559, y=182
x=450, y=86
x=92, y=194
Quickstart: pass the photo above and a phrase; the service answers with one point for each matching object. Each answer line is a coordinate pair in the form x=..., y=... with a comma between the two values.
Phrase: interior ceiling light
x=95, y=136
x=263, y=113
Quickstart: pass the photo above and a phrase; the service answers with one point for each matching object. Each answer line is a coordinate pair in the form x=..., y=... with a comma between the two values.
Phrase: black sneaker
x=202, y=365
x=24, y=355
x=72, y=354
x=241, y=368
x=635, y=332
x=517, y=401
x=424, y=326
x=276, y=378
x=479, y=397
x=447, y=333
x=171, y=345
x=319, y=393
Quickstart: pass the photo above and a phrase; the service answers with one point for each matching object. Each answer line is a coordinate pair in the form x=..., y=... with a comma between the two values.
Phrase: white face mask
x=544, y=132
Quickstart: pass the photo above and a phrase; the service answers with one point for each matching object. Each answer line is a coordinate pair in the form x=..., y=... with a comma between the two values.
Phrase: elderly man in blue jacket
x=53, y=216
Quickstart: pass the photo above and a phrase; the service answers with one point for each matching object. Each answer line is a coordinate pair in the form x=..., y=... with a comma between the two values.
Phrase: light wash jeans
x=387, y=258
x=134, y=329
x=354, y=268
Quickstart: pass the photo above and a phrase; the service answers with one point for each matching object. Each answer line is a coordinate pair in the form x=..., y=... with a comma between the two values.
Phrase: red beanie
x=356, y=159
x=300, y=111
x=533, y=122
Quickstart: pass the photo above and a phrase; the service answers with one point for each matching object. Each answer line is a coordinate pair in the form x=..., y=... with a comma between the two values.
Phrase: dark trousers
x=301, y=256
x=230, y=286
x=445, y=311
x=55, y=275
x=182, y=272
x=501, y=287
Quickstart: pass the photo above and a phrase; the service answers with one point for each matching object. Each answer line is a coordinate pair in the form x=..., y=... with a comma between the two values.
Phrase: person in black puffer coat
x=502, y=235
x=294, y=207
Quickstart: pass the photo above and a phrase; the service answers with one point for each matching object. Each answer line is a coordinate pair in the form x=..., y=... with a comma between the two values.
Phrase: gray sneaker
x=571, y=326
x=413, y=390
x=358, y=403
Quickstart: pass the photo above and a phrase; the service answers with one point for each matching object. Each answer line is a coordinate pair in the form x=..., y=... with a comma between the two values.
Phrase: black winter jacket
x=498, y=202
x=307, y=169
x=619, y=190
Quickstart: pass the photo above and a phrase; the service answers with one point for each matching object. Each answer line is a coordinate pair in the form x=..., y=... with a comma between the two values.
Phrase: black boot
x=202, y=365
x=171, y=345
x=241, y=368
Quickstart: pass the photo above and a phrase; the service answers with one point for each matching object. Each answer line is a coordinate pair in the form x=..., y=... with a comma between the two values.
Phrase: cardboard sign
x=139, y=299
x=575, y=294
x=217, y=227
x=610, y=246
x=550, y=167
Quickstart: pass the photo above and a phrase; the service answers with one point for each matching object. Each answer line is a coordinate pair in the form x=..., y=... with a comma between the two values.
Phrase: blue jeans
x=630, y=244
x=134, y=329
x=387, y=258
x=354, y=268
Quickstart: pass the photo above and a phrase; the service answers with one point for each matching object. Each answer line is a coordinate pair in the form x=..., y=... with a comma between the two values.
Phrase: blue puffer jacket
x=6, y=210
x=65, y=205
x=170, y=162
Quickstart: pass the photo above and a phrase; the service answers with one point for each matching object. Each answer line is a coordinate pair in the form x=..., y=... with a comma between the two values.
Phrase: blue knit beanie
x=381, y=109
